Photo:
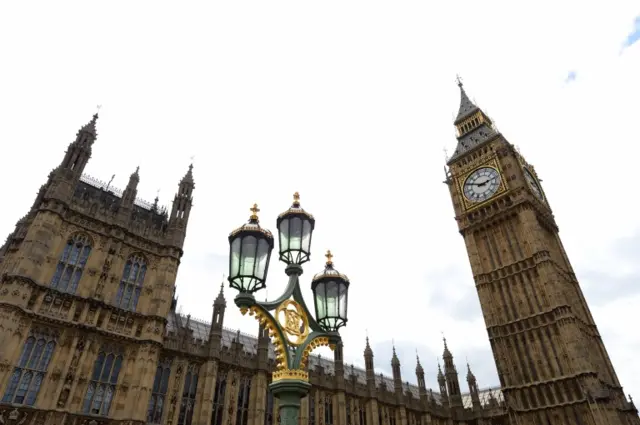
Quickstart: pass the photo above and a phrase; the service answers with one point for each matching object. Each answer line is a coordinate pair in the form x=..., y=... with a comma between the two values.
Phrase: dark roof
x=200, y=330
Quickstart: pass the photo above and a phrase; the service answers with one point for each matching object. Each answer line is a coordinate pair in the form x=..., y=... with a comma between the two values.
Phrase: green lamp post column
x=293, y=329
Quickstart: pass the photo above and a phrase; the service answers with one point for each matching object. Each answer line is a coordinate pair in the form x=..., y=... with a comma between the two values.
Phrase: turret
x=451, y=374
x=442, y=383
x=128, y=198
x=368, y=365
x=65, y=177
x=473, y=389
x=263, y=348
x=217, y=320
x=395, y=368
x=422, y=383
x=79, y=151
x=338, y=361
x=181, y=209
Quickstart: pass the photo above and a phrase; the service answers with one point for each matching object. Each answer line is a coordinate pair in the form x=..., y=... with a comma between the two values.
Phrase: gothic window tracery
x=188, y=395
x=242, y=415
x=362, y=413
x=312, y=409
x=159, y=392
x=218, y=398
x=104, y=378
x=27, y=376
x=328, y=410
x=268, y=414
x=392, y=415
x=71, y=264
x=131, y=283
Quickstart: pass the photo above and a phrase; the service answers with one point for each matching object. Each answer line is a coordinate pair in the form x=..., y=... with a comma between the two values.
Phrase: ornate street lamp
x=294, y=330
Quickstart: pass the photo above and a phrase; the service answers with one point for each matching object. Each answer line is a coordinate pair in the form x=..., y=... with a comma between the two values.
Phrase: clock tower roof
x=474, y=127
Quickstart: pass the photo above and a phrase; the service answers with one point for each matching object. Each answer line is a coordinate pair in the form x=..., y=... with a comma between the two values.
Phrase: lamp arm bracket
x=289, y=290
x=297, y=295
x=280, y=344
x=313, y=341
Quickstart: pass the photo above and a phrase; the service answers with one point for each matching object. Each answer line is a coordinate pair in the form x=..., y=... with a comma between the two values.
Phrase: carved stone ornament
x=13, y=417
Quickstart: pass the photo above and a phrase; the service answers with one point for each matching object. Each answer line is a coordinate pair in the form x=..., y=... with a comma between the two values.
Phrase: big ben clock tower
x=551, y=361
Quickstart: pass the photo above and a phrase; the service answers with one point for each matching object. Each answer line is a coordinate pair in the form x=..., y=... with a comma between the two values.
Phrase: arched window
x=102, y=387
x=312, y=409
x=348, y=408
x=328, y=410
x=131, y=283
x=218, y=398
x=392, y=415
x=188, y=395
x=71, y=263
x=362, y=412
x=159, y=392
x=268, y=414
x=27, y=376
x=242, y=417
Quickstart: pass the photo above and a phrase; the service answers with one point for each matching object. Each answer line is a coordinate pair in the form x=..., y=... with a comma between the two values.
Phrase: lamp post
x=293, y=329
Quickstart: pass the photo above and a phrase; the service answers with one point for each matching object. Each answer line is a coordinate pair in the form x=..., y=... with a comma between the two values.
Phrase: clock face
x=482, y=184
x=533, y=184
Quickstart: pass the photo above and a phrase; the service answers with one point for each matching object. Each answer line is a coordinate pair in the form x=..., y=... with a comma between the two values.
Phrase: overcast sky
x=350, y=103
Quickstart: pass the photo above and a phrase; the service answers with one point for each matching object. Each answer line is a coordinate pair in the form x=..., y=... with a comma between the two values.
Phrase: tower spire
x=474, y=127
x=182, y=203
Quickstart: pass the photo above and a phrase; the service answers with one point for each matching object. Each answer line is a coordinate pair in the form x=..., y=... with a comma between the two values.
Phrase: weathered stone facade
x=551, y=361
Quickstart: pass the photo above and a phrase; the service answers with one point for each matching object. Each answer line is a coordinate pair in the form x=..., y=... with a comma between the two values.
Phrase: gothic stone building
x=89, y=332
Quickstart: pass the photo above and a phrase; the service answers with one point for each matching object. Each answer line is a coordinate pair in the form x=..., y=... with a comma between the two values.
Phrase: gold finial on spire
x=329, y=256
x=254, y=212
x=296, y=200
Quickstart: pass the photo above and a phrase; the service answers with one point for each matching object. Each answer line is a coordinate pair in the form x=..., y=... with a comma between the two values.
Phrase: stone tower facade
x=87, y=282
x=552, y=363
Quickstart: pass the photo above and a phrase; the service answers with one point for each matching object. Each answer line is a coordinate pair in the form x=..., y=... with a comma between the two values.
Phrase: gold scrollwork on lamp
x=266, y=321
x=298, y=374
x=321, y=341
x=293, y=321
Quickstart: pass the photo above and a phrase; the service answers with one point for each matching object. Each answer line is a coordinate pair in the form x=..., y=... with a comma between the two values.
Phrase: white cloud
x=349, y=103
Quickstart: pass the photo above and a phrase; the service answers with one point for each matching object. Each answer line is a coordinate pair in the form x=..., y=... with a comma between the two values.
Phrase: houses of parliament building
x=90, y=335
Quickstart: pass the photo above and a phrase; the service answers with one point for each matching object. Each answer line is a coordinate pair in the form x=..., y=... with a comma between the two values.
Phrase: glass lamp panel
x=234, y=266
x=344, y=294
x=321, y=302
x=306, y=236
x=248, y=256
x=284, y=235
x=295, y=233
x=332, y=299
x=264, y=252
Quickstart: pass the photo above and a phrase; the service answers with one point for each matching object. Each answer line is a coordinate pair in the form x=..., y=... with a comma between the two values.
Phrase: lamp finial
x=254, y=212
x=329, y=256
x=296, y=200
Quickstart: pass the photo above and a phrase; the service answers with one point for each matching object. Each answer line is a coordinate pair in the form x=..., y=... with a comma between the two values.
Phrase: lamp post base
x=289, y=392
